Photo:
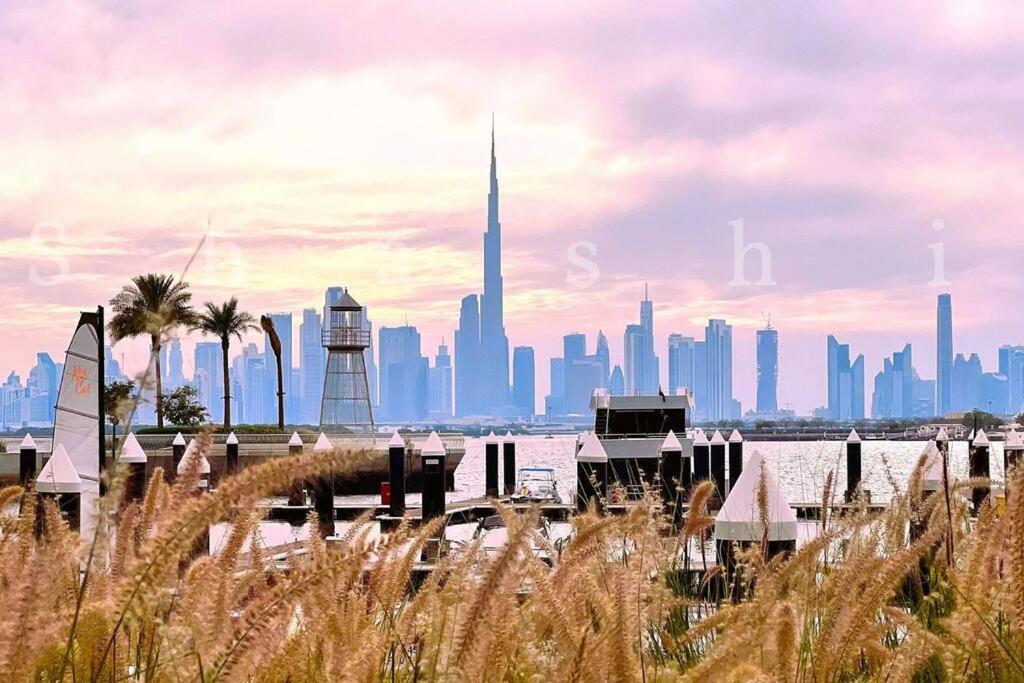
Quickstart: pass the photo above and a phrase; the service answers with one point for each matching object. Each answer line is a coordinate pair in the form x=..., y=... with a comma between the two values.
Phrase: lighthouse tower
x=346, y=399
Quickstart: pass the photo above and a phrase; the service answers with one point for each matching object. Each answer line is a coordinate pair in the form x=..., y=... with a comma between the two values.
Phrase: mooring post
x=177, y=453
x=979, y=468
x=27, y=461
x=701, y=457
x=491, y=466
x=231, y=455
x=396, y=475
x=59, y=481
x=1012, y=450
x=202, y=543
x=509, y=457
x=735, y=457
x=671, y=473
x=297, y=495
x=432, y=464
x=717, y=448
x=591, y=473
x=135, y=458
x=323, y=491
x=853, y=463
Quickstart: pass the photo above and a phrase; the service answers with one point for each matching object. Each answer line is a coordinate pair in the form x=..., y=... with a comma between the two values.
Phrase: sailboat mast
x=101, y=359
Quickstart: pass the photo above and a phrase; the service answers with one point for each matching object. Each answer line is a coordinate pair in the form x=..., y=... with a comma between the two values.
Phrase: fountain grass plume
x=614, y=605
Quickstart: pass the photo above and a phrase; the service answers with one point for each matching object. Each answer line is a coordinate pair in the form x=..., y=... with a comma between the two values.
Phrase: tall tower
x=767, y=369
x=944, y=355
x=346, y=397
x=493, y=342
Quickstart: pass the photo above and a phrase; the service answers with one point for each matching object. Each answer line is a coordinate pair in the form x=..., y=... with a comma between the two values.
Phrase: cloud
x=347, y=143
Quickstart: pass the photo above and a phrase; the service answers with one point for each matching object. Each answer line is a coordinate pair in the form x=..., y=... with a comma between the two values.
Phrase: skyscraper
x=311, y=366
x=175, y=366
x=440, y=384
x=767, y=370
x=208, y=359
x=493, y=368
x=641, y=363
x=555, y=401
x=617, y=382
x=944, y=354
x=403, y=375
x=43, y=379
x=966, y=384
x=574, y=352
x=845, y=382
x=524, y=374
x=895, y=387
x=467, y=358
x=681, y=359
x=1011, y=366
x=603, y=356
x=718, y=338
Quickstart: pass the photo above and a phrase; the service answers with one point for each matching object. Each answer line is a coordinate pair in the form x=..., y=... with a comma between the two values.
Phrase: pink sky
x=346, y=143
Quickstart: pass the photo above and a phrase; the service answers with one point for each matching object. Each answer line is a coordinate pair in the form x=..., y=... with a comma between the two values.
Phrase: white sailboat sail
x=76, y=426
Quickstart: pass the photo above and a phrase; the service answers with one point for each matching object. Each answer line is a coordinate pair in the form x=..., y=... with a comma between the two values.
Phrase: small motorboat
x=536, y=485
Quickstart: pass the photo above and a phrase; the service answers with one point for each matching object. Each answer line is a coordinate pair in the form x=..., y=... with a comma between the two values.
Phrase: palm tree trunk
x=225, y=343
x=155, y=347
x=280, y=395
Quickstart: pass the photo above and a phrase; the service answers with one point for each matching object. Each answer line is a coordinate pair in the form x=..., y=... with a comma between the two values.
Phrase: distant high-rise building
x=857, y=411
x=617, y=382
x=681, y=363
x=175, y=367
x=283, y=326
x=574, y=357
x=966, y=383
x=467, y=358
x=13, y=405
x=944, y=354
x=896, y=387
x=641, y=363
x=43, y=380
x=718, y=338
x=603, y=356
x=554, y=403
x=208, y=361
x=492, y=371
x=1011, y=366
x=311, y=366
x=440, y=384
x=767, y=370
x=845, y=383
x=259, y=390
x=994, y=393
x=111, y=367
x=403, y=375
x=524, y=374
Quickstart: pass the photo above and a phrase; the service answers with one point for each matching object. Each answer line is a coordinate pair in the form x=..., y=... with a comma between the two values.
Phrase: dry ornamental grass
x=867, y=599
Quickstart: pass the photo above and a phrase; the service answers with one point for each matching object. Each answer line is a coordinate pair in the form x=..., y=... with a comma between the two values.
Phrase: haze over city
x=318, y=147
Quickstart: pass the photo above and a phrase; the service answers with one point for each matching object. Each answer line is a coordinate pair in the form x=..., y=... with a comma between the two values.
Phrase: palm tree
x=151, y=304
x=275, y=343
x=225, y=321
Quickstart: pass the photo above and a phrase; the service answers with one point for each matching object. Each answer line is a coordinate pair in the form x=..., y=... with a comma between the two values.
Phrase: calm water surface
x=799, y=466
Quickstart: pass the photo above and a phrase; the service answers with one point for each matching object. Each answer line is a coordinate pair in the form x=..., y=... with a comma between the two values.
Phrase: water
x=799, y=466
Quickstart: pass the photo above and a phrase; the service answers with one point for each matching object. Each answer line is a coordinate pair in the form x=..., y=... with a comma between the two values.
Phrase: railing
x=346, y=336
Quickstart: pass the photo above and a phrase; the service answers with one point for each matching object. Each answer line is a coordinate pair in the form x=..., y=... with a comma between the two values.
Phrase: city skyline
x=300, y=190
